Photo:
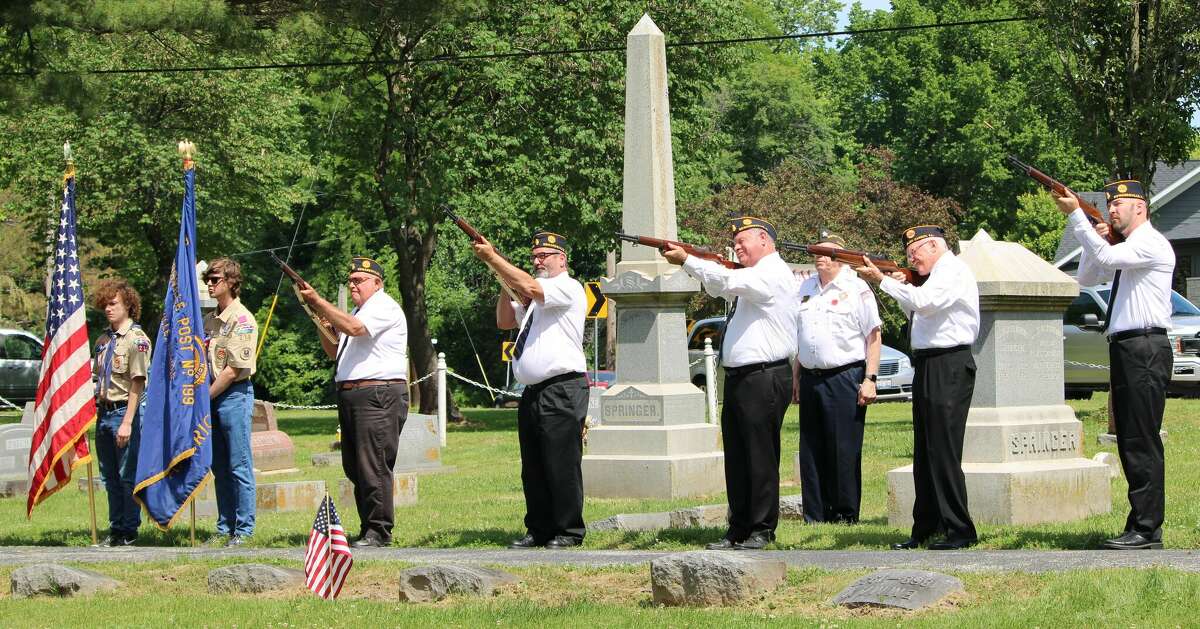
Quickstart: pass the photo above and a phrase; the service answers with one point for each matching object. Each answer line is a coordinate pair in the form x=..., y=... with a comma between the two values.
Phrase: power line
x=524, y=54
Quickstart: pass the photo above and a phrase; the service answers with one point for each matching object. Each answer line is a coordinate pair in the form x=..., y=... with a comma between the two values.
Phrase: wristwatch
x=873, y=377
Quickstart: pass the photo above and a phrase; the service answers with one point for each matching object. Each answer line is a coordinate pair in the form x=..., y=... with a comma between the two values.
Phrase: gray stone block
x=702, y=516
x=14, y=486
x=1112, y=461
x=906, y=589
x=252, y=578
x=426, y=584
x=633, y=522
x=791, y=507
x=703, y=578
x=55, y=580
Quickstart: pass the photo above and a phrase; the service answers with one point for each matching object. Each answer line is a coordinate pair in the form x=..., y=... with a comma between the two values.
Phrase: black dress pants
x=942, y=388
x=371, y=419
x=831, y=438
x=1140, y=371
x=550, y=429
x=751, y=418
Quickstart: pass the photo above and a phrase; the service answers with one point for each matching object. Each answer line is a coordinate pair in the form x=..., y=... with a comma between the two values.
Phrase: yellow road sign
x=506, y=351
x=597, y=303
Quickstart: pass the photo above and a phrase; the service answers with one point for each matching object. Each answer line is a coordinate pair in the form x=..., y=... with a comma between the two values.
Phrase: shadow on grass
x=82, y=536
x=451, y=538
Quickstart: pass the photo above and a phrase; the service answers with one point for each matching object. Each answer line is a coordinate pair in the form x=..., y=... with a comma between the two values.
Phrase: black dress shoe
x=908, y=544
x=369, y=541
x=952, y=544
x=724, y=544
x=757, y=541
x=1132, y=541
x=563, y=541
x=528, y=541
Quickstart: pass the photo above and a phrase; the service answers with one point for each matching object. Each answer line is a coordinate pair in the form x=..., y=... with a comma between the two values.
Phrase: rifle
x=856, y=258
x=1055, y=186
x=693, y=250
x=297, y=284
x=477, y=237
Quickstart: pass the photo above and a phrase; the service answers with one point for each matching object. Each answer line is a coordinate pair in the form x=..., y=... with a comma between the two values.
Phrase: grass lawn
x=480, y=505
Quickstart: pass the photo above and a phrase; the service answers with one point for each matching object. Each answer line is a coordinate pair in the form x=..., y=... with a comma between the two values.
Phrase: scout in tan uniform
x=232, y=337
x=122, y=360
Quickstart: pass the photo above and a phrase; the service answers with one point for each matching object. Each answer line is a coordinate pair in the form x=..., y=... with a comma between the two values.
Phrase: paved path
x=961, y=561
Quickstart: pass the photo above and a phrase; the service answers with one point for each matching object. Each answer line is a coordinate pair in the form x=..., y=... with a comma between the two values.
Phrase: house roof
x=1169, y=182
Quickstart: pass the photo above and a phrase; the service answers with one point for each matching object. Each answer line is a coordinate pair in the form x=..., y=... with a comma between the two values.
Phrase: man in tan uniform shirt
x=232, y=337
x=122, y=360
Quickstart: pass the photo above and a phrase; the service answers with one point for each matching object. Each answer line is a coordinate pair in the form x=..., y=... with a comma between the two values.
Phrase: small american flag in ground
x=327, y=559
x=66, y=403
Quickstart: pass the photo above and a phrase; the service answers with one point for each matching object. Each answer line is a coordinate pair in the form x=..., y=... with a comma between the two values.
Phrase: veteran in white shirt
x=944, y=318
x=833, y=381
x=371, y=362
x=549, y=361
x=1140, y=356
x=758, y=342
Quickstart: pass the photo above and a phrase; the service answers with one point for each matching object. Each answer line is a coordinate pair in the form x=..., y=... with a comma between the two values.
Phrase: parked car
x=1085, y=350
x=511, y=395
x=895, y=369
x=20, y=363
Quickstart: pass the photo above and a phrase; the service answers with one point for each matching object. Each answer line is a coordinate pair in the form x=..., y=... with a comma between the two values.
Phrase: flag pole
x=192, y=505
x=91, y=483
x=329, y=547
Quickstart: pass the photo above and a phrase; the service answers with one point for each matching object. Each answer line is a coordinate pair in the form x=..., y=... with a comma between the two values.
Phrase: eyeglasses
x=355, y=281
x=538, y=257
x=214, y=279
x=912, y=254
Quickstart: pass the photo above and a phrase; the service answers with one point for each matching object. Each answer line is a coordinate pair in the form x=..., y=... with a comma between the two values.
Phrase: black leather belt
x=105, y=405
x=938, y=351
x=738, y=372
x=831, y=370
x=346, y=385
x=1128, y=334
x=562, y=377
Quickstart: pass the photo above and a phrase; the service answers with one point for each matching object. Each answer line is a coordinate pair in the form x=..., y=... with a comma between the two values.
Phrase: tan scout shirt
x=232, y=339
x=130, y=358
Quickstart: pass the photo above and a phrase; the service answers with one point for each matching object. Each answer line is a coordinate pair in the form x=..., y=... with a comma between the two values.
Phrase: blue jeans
x=118, y=468
x=233, y=465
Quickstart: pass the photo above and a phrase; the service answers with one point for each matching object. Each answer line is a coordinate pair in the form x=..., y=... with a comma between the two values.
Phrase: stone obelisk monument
x=653, y=441
x=1023, y=450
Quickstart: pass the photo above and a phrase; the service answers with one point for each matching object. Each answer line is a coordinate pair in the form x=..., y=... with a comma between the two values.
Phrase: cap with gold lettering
x=549, y=239
x=921, y=232
x=1124, y=189
x=740, y=224
x=827, y=236
x=361, y=264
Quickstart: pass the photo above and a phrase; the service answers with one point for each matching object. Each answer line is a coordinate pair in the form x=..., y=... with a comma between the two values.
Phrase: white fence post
x=710, y=380
x=441, y=393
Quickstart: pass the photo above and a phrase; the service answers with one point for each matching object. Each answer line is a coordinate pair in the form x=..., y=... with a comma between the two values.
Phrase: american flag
x=65, y=406
x=325, y=568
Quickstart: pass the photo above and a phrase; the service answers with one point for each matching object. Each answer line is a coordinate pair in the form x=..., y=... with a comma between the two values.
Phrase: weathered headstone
x=906, y=589
x=632, y=522
x=419, y=450
x=791, y=507
x=15, y=440
x=252, y=578
x=55, y=580
x=1113, y=463
x=404, y=490
x=703, y=578
x=653, y=440
x=425, y=584
x=305, y=495
x=271, y=448
x=712, y=516
x=1023, y=451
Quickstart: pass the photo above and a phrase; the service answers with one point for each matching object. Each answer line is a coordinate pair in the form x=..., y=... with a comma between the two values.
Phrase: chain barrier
x=326, y=407
x=473, y=383
x=1075, y=363
x=695, y=362
x=5, y=402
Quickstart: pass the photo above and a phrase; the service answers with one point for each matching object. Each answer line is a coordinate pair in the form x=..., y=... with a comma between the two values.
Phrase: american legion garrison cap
x=738, y=224
x=827, y=236
x=1124, y=189
x=360, y=264
x=549, y=239
x=921, y=232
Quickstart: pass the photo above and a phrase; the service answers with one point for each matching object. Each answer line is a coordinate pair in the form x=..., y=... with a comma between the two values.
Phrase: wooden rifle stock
x=1055, y=186
x=855, y=258
x=477, y=238
x=692, y=250
x=297, y=284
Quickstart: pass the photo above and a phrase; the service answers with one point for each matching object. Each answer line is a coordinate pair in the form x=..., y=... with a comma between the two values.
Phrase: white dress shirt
x=944, y=311
x=1146, y=261
x=554, y=345
x=763, y=329
x=381, y=353
x=834, y=320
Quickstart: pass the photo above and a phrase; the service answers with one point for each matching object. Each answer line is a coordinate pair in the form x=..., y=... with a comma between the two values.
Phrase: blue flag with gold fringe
x=176, y=450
